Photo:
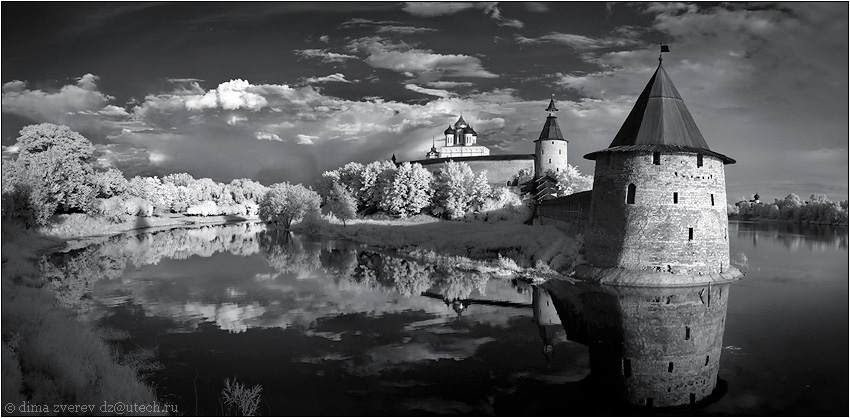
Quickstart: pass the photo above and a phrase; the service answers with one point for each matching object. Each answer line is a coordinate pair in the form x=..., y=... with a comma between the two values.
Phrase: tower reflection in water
x=649, y=346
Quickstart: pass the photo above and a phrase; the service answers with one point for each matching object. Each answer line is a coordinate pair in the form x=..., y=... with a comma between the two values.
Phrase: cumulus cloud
x=333, y=78
x=325, y=38
x=405, y=59
x=430, y=92
x=230, y=95
x=306, y=139
x=54, y=106
x=268, y=136
x=324, y=55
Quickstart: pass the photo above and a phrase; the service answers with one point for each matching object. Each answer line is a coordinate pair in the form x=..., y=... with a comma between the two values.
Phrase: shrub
x=205, y=208
x=137, y=206
x=240, y=400
x=112, y=209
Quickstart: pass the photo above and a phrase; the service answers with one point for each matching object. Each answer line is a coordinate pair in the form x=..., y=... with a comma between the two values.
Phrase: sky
x=284, y=91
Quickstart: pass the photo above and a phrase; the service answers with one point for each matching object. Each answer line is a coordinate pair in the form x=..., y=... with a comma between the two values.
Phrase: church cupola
x=551, y=147
x=450, y=136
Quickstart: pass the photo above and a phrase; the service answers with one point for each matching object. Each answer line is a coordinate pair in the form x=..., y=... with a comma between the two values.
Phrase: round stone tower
x=551, y=148
x=659, y=194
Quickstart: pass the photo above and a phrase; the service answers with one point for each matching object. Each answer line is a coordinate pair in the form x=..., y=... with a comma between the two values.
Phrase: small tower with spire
x=551, y=147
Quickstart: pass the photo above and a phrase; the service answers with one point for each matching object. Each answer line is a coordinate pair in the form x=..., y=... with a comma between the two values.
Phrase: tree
x=285, y=203
x=341, y=203
x=409, y=191
x=53, y=169
x=458, y=190
x=109, y=183
x=570, y=180
x=374, y=180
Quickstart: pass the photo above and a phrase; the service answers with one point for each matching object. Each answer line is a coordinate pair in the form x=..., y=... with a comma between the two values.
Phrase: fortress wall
x=553, y=155
x=653, y=233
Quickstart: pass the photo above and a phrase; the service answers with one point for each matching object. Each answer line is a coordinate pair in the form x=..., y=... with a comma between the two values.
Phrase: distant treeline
x=818, y=209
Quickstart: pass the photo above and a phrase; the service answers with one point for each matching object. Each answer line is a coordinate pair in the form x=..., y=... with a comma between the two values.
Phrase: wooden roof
x=660, y=121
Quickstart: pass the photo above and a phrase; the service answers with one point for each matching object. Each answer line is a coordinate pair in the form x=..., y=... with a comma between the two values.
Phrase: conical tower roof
x=660, y=121
x=551, y=130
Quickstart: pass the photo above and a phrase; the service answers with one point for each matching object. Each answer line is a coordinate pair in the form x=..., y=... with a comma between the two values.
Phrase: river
x=335, y=328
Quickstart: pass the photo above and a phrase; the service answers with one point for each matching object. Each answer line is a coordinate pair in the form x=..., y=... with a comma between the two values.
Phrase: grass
x=239, y=400
x=48, y=356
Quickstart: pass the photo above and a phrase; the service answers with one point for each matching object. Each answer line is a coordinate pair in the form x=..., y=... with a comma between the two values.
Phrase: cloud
x=325, y=38
x=324, y=55
x=405, y=59
x=268, y=136
x=405, y=30
x=333, y=78
x=434, y=8
x=579, y=42
x=386, y=26
x=535, y=6
x=55, y=106
x=430, y=92
x=230, y=95
x=306, y=139
x=448, y=84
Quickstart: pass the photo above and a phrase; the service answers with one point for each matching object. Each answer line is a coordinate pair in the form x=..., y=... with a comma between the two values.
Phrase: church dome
x=461, y=123
x=449, y=130
x=469, y=130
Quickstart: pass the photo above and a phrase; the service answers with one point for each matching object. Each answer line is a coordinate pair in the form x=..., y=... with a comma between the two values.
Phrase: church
x=461, y=145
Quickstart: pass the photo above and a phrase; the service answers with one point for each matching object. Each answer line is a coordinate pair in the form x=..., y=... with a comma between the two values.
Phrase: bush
x=205, y=208
x=112, y=209
x=136, y=206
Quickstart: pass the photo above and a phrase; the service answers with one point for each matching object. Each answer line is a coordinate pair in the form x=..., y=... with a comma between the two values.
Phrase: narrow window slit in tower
x=706, y=360
x=656, y=158
x=699, y=160
x=630, y=197
x=670, y=367
x=712, y=199
x=550, y=160
x=675, y=197
x=687, y=333
x=690, y=234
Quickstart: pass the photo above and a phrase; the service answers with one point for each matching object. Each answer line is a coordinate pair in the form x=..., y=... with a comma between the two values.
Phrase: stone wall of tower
x=687, y=235
x=551, y=155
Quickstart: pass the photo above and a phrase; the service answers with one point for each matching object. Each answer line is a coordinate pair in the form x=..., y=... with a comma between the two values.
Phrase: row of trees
x=408, y=189
x=818, y=209
x=55, y=172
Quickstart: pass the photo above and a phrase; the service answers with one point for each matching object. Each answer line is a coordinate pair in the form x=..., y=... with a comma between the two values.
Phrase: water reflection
x=652, y=346
x=793, y=236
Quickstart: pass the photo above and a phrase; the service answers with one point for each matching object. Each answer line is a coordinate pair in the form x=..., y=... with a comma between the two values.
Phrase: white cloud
x=333, y=78
x=404, y=59
x=430, y=92
x=325, y=38
x=268, y=136
x=438, y=8
x=55, y=106
x=579, y=42
x=234, y=119
x=448, y=84
x=230, y=95
x=306, y=139
x=324, y=55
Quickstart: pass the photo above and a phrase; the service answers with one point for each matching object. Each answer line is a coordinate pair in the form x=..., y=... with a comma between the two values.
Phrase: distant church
x=461, y=145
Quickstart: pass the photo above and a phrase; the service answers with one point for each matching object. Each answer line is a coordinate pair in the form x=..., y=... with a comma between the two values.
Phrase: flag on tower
x=665, y=48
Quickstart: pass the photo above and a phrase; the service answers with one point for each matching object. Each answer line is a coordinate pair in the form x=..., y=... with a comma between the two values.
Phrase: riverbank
x=49, y=357
x=502, y=248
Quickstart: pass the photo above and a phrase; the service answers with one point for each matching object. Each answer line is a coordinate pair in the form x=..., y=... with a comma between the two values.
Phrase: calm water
x=334, y=328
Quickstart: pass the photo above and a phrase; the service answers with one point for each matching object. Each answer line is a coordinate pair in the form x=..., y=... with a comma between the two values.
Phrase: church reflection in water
x=648, y=346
